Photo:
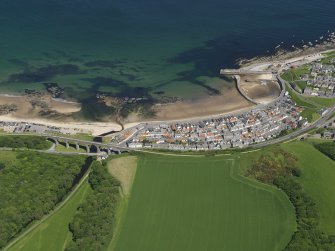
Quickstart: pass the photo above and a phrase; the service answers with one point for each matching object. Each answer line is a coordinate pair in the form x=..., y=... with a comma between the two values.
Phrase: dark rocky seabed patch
x=145, y=48
x=45, y=73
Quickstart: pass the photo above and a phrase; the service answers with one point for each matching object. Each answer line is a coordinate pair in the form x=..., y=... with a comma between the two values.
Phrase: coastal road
x=317, y=124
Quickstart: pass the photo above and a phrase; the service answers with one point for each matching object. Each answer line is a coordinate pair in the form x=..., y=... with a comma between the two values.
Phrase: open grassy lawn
x=328, y=58
x=7, y=157
x=301, y=84
x=189, y=203
x=294, y=74
x=299, y=100
x=318, y=179
x=53, y=233
x=310, y=115
x=61, y=148
x=311, y=105
x=324, y=102
x=80, y=136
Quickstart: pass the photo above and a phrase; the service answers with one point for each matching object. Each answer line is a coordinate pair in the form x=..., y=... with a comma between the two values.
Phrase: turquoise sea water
x=145, y=47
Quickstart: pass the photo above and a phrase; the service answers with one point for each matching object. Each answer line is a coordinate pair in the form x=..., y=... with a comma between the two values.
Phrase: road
x=317, y=124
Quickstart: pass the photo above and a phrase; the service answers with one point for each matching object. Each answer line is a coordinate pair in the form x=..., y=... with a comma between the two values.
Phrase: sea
x=136, y=48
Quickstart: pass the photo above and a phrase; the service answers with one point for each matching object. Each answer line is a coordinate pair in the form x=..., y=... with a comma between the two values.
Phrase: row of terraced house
x=257, y=125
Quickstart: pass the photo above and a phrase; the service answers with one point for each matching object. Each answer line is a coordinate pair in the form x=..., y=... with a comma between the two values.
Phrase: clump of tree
x=24, y=141
x=308, y=235
x=327, y=148
x=93, y=224
x=279, y=168
x=270, y=166
x=31, y=186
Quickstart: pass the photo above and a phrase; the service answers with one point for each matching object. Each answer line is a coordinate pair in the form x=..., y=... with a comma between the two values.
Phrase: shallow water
x=166, y=47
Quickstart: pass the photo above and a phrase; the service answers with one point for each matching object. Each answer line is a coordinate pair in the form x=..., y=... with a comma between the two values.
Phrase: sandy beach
x=95, y=128
x=228, y=102
x=30, y=113
x=31, y=106
x=43, y=109
x=262, y=88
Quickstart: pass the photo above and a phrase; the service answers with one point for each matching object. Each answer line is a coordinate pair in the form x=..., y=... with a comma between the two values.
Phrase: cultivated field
x=185, y=203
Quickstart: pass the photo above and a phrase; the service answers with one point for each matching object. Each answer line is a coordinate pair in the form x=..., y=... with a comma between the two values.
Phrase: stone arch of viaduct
x=89, y=146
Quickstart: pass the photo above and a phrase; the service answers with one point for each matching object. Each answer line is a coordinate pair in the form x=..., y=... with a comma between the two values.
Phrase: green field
x=318, y=177
x=189, y=203
x=294, y=74
x=325, y=102
x=61, y=148
x=53, y=233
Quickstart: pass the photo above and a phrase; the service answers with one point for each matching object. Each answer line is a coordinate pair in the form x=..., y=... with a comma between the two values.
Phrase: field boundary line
x=122, y=212
x=55, y=210
x=172, y=154
x=250, y=182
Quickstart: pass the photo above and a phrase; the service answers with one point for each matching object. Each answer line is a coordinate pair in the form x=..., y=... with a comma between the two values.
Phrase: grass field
x=61, y=148
x=318, y=179
x=188, y=203
x=294, y=74
x=325, y=102
x=53, y=233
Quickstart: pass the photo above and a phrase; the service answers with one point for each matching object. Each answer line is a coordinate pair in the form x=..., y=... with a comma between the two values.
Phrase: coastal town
x=242, y=130
x=263, y=122
x=318, y=80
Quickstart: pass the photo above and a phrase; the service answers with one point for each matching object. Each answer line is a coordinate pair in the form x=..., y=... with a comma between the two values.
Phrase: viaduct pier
x=89, y=146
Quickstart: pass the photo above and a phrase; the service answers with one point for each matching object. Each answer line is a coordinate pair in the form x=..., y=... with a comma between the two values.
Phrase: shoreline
x=60, y=100
x=97, y=128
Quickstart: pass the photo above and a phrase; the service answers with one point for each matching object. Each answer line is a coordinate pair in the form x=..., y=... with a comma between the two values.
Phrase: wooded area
x=31, y=184
x=24, y=141
x=93, y=225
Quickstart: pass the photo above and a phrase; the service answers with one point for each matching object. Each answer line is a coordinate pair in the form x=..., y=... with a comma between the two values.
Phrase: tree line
x=93, y=224
x=31, y=186
x=308, y=235
x=327, y=148
x=24, y=141
x=279, y=168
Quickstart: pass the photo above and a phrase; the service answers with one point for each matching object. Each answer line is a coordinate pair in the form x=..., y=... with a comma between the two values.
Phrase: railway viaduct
x=89, y=146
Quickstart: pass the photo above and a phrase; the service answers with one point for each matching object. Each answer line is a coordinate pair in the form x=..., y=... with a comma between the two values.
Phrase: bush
x=270, y=166
x=327, y=148
x=296, y=172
